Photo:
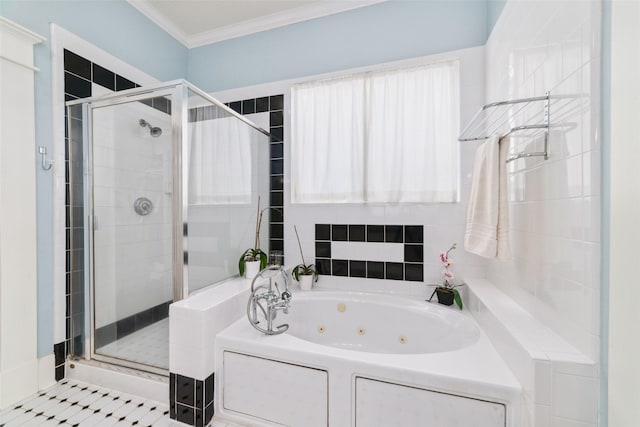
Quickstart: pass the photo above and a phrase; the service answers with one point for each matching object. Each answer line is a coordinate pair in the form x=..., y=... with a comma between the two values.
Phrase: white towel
x=488, y=215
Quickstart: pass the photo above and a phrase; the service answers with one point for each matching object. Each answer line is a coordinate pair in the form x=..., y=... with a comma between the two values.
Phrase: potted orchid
x=447, y=292
x=305, y=274
x=253, y=259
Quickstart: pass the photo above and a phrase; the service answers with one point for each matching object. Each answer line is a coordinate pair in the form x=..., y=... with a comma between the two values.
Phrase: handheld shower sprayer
x=153, y=130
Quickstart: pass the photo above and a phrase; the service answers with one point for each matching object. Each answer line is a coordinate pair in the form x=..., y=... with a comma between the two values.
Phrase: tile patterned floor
x=73, y=403
x=149, y=346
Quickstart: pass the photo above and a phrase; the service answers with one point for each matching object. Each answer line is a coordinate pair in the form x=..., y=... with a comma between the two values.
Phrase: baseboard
x=18, y=383
x=46, y=371
x=150, y=386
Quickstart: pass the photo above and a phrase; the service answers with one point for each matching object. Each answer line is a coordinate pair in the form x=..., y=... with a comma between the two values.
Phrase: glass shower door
x=131, y=163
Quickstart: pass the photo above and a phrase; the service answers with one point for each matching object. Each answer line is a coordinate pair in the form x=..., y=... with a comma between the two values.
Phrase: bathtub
x=358, y=359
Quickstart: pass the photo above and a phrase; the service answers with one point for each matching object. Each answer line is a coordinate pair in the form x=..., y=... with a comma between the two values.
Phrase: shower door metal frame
x=179, y=270
x=179, y=91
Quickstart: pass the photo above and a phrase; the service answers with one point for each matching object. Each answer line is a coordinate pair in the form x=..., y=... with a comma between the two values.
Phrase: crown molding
x=147, y=9
x=267, y=22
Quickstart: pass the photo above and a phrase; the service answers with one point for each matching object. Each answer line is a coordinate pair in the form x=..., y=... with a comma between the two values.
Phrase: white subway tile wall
x=535, y=47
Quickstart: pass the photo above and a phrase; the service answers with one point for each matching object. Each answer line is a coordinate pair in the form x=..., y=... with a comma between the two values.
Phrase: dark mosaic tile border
x=191, y=400
x=273, y=104
x=130, y=324
x=411, y=236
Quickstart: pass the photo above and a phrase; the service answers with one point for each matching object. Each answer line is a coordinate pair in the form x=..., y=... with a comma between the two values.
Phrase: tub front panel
x=276, y=392
x=381, y=404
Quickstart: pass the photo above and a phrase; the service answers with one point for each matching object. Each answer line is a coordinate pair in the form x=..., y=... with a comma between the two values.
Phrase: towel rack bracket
x=485, y=123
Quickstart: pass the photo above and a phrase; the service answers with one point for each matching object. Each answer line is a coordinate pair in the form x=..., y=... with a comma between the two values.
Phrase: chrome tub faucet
x=267, y=299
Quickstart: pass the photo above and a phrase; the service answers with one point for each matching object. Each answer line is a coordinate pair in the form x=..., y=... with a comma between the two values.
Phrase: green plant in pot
x=305, y=274
x=447, y=292
x=253, y=259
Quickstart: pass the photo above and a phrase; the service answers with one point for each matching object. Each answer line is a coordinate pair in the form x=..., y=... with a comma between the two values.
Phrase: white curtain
x=399, y=146
x=219, y=159
x=327, y=158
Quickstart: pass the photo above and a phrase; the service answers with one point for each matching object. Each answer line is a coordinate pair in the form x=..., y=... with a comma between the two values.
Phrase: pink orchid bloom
x=448, y=274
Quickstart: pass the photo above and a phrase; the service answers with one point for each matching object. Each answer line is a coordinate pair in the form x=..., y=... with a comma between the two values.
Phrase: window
x=220, y=159
x=379, y=137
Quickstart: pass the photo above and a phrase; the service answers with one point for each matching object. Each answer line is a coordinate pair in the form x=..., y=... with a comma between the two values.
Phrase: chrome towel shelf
x=507, y=117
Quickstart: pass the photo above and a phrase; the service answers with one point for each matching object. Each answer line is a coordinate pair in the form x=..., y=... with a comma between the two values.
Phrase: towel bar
x=494, y=118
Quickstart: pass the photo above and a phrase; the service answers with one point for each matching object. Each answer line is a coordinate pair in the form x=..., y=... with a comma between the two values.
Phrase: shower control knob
x=143, y=206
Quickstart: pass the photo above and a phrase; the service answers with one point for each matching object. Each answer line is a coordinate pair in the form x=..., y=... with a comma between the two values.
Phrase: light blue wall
x=117, y=28
x=383, y=32
x=494, y=9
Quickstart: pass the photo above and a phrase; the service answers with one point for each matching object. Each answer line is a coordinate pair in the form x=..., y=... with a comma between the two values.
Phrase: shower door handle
x=96, y=222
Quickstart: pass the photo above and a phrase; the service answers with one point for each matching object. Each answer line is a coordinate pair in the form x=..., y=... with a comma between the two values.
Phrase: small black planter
x=445, y=296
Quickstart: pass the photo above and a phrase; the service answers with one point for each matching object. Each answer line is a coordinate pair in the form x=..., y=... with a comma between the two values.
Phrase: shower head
x=153, y=130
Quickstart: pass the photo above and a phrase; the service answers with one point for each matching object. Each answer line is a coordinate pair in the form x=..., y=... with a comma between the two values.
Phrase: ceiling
x=199, y=22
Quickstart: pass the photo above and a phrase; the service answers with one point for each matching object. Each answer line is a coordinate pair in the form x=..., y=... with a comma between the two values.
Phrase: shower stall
x=166, y=182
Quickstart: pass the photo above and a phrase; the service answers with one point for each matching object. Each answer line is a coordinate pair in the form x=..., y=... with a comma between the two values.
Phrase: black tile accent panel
x=339, y=233
x=357, y=268
x=191, y=401
x=274, y=105
x=123, y=84
x=76, y=86
x=356, y=233
x=323, y=232
x=375, y=233
x=172, y=394
x=104, y=77
x=162, y=104
x=249, y=106
x=323, y=249
x=277, y=183
x=277, y=134
x=60, y=355
x=185, y=390
x=395, y=270
x=277, y=167
x=262, y=104
x=236, y=106
x=323, y=266
x=414, y=272
x=185, y=414
x=77, y=65
x=277, y=199
x=277, y=152
x=276, y=215
x=276, y=118
x=276, y=231
x=340, y=267
x=413, y=234
x=394, y=234
x=208, y=414
x=59, y=374
x=199, y=420
x=276, y=244
x=413, y=253
x=410, y=236
x=276, y=102
x=375, y=270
